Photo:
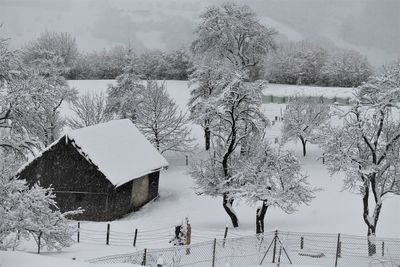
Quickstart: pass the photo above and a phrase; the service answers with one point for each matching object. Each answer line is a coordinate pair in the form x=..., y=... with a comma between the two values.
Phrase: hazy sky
x=369, y=26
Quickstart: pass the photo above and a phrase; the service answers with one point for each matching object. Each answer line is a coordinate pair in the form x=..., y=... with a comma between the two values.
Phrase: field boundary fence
x=277, y=248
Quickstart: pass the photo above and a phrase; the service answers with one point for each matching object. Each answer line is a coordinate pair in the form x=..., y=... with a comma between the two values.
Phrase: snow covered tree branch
x=302, y=119
x=89, y=109
x=367, y=146
x=160, y=121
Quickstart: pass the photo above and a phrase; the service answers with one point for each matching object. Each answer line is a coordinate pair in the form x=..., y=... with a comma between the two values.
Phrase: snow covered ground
x=332, y=211
x=289, y=90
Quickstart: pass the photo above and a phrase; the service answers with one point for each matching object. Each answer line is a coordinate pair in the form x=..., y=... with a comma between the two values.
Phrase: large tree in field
x=233, y=33
x=236, y=116
x=367, y=146
x=302, y=119
x=270, y=177
x=229, y=35
x=161, y=122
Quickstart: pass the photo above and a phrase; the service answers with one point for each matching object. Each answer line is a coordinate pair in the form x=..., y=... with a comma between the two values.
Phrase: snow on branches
x=232, y=32
x=124, y=98
x=32, y=212
x=302, y=119
x=89, y=109
x=236, y=118
x=161, y=122
x=367, y=146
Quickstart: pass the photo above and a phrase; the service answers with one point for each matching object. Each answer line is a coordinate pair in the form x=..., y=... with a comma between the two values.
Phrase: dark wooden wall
x=78, y=183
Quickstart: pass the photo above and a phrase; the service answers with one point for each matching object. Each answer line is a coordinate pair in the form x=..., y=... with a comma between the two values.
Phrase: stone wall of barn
x=78, y=183
x=144, y=189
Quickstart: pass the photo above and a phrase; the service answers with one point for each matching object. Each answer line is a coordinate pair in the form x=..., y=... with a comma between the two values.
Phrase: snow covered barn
x=109, y=169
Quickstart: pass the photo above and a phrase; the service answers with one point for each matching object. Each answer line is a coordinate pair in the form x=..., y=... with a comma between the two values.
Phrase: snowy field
x=289, y=90
x=332, y=211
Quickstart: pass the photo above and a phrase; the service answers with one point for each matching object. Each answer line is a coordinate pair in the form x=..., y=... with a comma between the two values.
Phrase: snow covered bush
x=30, y=211
x=366, y=147
x=159, y=119
x=303, y=118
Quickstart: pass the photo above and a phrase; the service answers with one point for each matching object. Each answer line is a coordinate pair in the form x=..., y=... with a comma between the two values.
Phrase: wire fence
x=142, y=238
x=276, y=248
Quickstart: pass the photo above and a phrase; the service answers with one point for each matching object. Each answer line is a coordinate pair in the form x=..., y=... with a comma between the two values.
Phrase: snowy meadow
x=334, y=210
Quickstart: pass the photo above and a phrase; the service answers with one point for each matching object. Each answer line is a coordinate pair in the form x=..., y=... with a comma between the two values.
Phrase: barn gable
x=117, y=148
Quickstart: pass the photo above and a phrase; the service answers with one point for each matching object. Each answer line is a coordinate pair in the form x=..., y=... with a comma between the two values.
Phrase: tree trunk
x=260, y=215
x=371, y=241
x=304, y=143
x=227, y=204
x=371, y=221
x=207, y=136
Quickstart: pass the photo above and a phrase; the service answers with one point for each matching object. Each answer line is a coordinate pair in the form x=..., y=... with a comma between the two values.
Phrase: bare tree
x=161, y=122
x=89, y=109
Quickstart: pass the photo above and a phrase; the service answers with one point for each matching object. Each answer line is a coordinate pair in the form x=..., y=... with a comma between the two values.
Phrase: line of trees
x=307, y=63
x=302, y=62
x=108, y=63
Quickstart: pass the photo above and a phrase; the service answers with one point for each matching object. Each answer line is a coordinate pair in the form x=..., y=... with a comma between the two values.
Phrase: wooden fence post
x=108, y=234
x=337, y=250
x=214, y=248
x=188, y=238
x=274, y=251
x=301, y=242
x=78, y=233
x=144, y=257
x=135, y=238
x=225, y=235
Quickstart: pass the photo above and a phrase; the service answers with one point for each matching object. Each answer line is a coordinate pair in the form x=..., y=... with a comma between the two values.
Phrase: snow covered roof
x=118, y=149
